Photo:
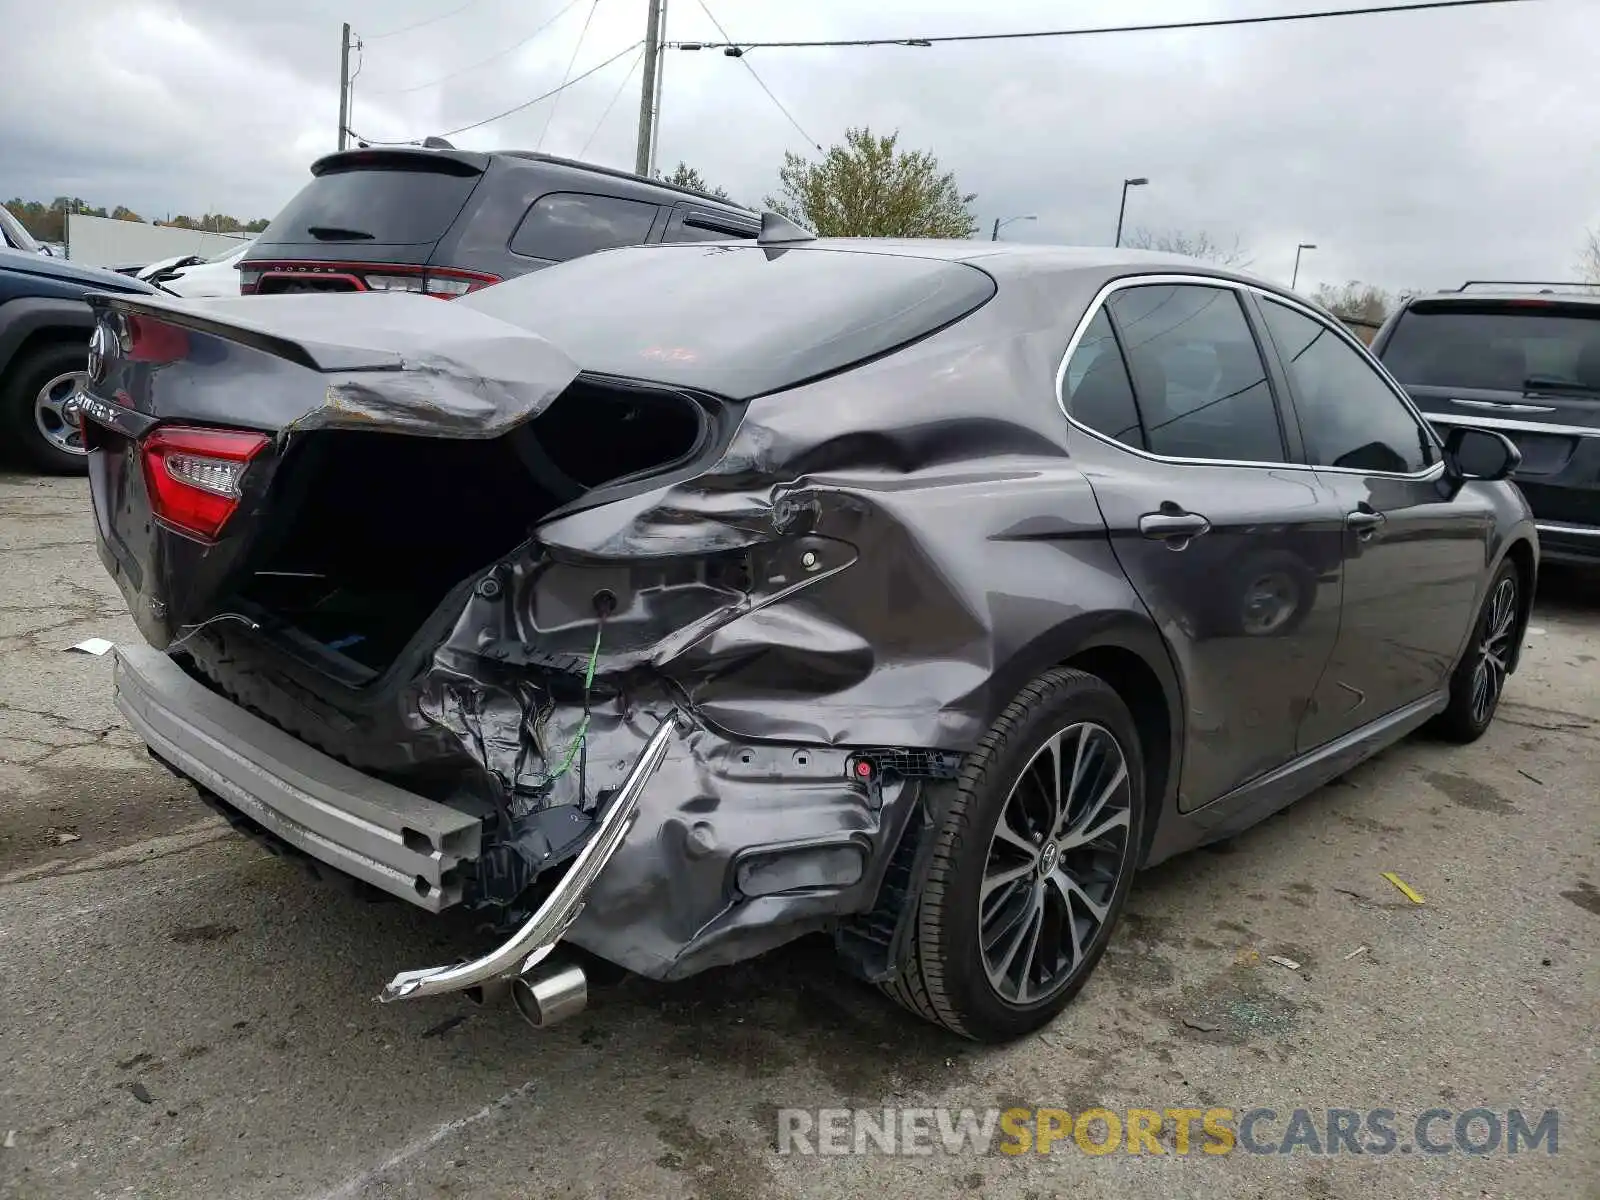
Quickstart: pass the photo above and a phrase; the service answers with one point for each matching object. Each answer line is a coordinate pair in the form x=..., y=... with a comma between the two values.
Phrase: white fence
x=103, y=242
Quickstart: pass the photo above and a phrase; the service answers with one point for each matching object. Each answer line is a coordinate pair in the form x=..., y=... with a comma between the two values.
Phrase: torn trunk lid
x=191, y=407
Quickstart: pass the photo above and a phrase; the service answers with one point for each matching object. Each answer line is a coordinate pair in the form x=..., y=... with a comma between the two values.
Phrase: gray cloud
x=1415, y=150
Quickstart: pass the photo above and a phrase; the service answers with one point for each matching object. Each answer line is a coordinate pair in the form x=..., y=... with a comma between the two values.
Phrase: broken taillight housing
x=194, y=475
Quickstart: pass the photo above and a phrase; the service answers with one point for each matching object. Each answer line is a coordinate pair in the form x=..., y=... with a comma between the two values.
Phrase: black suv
x=1523, y=359
x=44, y=339
x=446, y=222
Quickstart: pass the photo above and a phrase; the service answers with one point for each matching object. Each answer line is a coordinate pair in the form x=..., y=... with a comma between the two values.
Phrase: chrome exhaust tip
x=550, y=993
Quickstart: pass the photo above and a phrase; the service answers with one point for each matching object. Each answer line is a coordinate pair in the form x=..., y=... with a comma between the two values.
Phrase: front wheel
x=1036, y=848
x=1480, y=677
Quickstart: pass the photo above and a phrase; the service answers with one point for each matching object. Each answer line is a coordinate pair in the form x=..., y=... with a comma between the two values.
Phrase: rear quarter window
x=737, y=319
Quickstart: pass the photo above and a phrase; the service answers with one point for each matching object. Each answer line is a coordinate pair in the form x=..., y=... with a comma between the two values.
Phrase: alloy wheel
x=1494, y=650
x=1058, y=849
x=55, y=412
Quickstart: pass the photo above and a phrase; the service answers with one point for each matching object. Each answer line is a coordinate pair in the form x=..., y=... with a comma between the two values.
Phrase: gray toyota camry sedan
x=671, y=603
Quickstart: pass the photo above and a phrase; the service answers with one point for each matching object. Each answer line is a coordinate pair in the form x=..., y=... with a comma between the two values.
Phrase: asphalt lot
x=184, y=1015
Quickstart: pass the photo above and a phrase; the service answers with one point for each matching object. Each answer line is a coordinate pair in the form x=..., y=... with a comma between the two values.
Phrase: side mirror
x=1480, y=454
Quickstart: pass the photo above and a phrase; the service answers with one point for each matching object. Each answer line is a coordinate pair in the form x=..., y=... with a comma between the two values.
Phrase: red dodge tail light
x=193, y=475
x=443, y=283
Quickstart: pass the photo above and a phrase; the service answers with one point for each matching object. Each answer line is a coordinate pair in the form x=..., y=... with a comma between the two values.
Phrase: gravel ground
x=183, y=1015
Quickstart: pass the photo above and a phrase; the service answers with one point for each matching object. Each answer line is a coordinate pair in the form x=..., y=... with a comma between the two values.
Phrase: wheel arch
x=30, y=322
x=1520, y=552
x=1127, y=651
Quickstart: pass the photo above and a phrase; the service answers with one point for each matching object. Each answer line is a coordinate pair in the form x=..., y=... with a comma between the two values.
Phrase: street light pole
x=1123, y=208
x=1000, y=223
x=1295, y=278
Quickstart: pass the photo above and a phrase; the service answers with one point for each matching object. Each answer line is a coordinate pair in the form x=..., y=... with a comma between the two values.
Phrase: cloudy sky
x=1414, y=150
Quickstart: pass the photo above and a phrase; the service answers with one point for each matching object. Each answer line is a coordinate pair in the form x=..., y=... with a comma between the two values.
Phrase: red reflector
x=863, y=768
x=193, y=475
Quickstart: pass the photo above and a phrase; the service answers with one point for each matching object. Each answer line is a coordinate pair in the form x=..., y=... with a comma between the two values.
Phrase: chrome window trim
x=1237, y=286
x=1582, y=431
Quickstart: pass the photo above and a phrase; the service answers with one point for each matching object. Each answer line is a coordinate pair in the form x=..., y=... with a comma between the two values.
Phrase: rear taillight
x=443, y=283
x=194, y=475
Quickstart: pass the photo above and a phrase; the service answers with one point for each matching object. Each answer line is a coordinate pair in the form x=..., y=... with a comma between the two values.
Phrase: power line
x=1277, y=18
x=762, y=83
x=551, y=115
x=615, y=96
x=495, y=57
x=552, y=92
x=444, y=16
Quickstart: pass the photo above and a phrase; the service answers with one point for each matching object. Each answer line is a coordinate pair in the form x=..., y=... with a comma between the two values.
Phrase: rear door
x=1415, y=549
x=1234, y=547
x=559, y=226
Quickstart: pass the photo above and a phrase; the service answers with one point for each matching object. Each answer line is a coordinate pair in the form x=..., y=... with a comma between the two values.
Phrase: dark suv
x=446, y=222
x=1523, y=359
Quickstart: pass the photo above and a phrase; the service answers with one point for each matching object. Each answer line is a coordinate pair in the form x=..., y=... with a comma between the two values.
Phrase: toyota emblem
x=102, y=346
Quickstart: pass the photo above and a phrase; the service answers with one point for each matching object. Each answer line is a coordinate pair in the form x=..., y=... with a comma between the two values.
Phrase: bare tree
x=1589, y=258
x=1355, y=301
x=1199, y=245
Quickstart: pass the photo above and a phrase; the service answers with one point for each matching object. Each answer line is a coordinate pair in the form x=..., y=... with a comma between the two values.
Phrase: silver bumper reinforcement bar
x=538, y=937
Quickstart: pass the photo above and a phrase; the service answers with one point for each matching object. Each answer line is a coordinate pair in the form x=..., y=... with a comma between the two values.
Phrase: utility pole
x=647, y=93
x=655, y=104
x=344, y=85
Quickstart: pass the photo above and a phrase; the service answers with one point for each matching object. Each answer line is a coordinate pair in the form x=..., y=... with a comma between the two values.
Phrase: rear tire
x=1479, y=679
x=43, y=429
x=1014, y=877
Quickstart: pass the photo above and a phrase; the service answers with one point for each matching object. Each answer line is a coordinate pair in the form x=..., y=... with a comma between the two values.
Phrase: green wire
x=583, y=726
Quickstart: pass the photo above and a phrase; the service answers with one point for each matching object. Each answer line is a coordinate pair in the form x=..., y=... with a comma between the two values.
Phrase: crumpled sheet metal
x=914, y=639
x=401, y=362
x=924, y=637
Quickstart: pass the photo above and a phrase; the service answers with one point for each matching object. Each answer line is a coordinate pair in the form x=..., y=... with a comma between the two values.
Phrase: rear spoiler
x=395, y=361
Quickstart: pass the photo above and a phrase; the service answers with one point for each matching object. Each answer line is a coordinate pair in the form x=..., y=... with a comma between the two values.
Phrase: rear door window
x=387, y=207
x=1499, y=347
x=567, y=225
x=1350, y=416
x=1201, y=385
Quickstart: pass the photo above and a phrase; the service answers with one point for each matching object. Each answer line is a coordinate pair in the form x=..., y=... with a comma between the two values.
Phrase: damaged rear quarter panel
x=958, y=554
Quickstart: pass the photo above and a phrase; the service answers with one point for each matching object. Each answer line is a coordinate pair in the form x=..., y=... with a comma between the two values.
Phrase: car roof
x=475, y=162
x=1508, y=293
x=1014, y=259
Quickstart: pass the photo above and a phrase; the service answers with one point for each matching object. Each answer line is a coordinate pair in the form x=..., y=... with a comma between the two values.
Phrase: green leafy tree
x=683, y=175
x=868, y=188
x=123, y=213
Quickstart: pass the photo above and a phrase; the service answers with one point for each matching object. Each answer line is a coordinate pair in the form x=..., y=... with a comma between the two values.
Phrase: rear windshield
x=384, y=206
x=1499, y=347
x=738, y=320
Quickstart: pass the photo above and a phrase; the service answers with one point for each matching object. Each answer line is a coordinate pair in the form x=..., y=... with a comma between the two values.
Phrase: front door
x=1234, y=549
x=1415, y=549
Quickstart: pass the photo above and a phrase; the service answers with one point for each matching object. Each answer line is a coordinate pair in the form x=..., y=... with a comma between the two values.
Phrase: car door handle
x=1363, y=522
x=1173, y=526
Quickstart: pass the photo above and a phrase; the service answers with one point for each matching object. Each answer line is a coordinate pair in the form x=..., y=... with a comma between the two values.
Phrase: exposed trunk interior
x=368, y=532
